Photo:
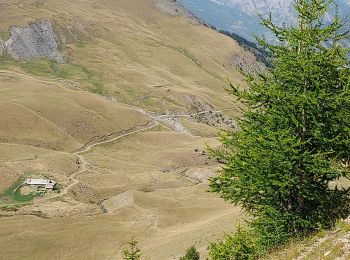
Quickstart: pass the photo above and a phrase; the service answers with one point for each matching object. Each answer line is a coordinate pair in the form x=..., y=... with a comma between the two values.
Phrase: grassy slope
x=326, y=245
x=130, y=51
x=48, y=115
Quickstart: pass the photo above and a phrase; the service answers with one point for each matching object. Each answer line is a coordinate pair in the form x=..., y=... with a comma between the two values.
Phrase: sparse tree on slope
x=191, y=254
x=133, y=253
x=295, y=133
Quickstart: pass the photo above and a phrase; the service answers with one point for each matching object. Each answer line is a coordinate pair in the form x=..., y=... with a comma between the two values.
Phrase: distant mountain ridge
x=240, y=16
x=281, y=7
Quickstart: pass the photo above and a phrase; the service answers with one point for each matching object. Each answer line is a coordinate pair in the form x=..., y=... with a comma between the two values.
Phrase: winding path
x=83, y=163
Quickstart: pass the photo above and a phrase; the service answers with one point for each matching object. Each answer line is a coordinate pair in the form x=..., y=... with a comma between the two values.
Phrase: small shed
x=41, y=183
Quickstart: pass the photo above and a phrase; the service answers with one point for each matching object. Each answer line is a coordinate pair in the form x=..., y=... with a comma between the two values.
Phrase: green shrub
x=242, y=245
x=191, y=254
x=133, y=252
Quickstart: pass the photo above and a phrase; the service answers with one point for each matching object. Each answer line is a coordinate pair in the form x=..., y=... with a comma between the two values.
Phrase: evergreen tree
x=283, y=164
x=133, y=253
x=191, y=254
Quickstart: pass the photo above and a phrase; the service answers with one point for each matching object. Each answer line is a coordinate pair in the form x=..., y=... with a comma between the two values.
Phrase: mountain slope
x=121, y=122
x=331, y=244
x=240, y=16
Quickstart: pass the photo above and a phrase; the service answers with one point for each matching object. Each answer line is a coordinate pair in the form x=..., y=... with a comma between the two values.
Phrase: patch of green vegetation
x=5, y=35
x=133, y=252
x=5, y=62
x=69, y=71
x=98, y=88
x=65, y=71
x=191, y=254
x=13, y=194
x=50, y=68
x=37, y=67
x=80, y=44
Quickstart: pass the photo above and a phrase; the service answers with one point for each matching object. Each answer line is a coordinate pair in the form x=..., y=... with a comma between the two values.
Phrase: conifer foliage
x=133, y=253
x=284, y=164
x=191, y=254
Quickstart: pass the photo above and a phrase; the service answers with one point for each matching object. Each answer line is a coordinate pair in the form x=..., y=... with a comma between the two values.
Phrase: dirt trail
x=83, y=163
x=155, y=120
x=58, y=83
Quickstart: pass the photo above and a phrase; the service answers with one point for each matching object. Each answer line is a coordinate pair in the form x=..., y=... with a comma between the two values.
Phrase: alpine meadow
x=163, y=130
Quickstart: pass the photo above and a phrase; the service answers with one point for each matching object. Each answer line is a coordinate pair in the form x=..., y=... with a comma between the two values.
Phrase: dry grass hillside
x=121, y=125
x=325, y=245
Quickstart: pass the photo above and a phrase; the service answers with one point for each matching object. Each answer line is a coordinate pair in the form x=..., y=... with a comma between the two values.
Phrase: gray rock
x=247, y=65
x=36, y=41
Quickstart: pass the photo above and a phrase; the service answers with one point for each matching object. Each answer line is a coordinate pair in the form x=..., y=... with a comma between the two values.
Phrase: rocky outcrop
x=203, y=112
x=197, y=104
x=250, y=65
x=36, y=41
